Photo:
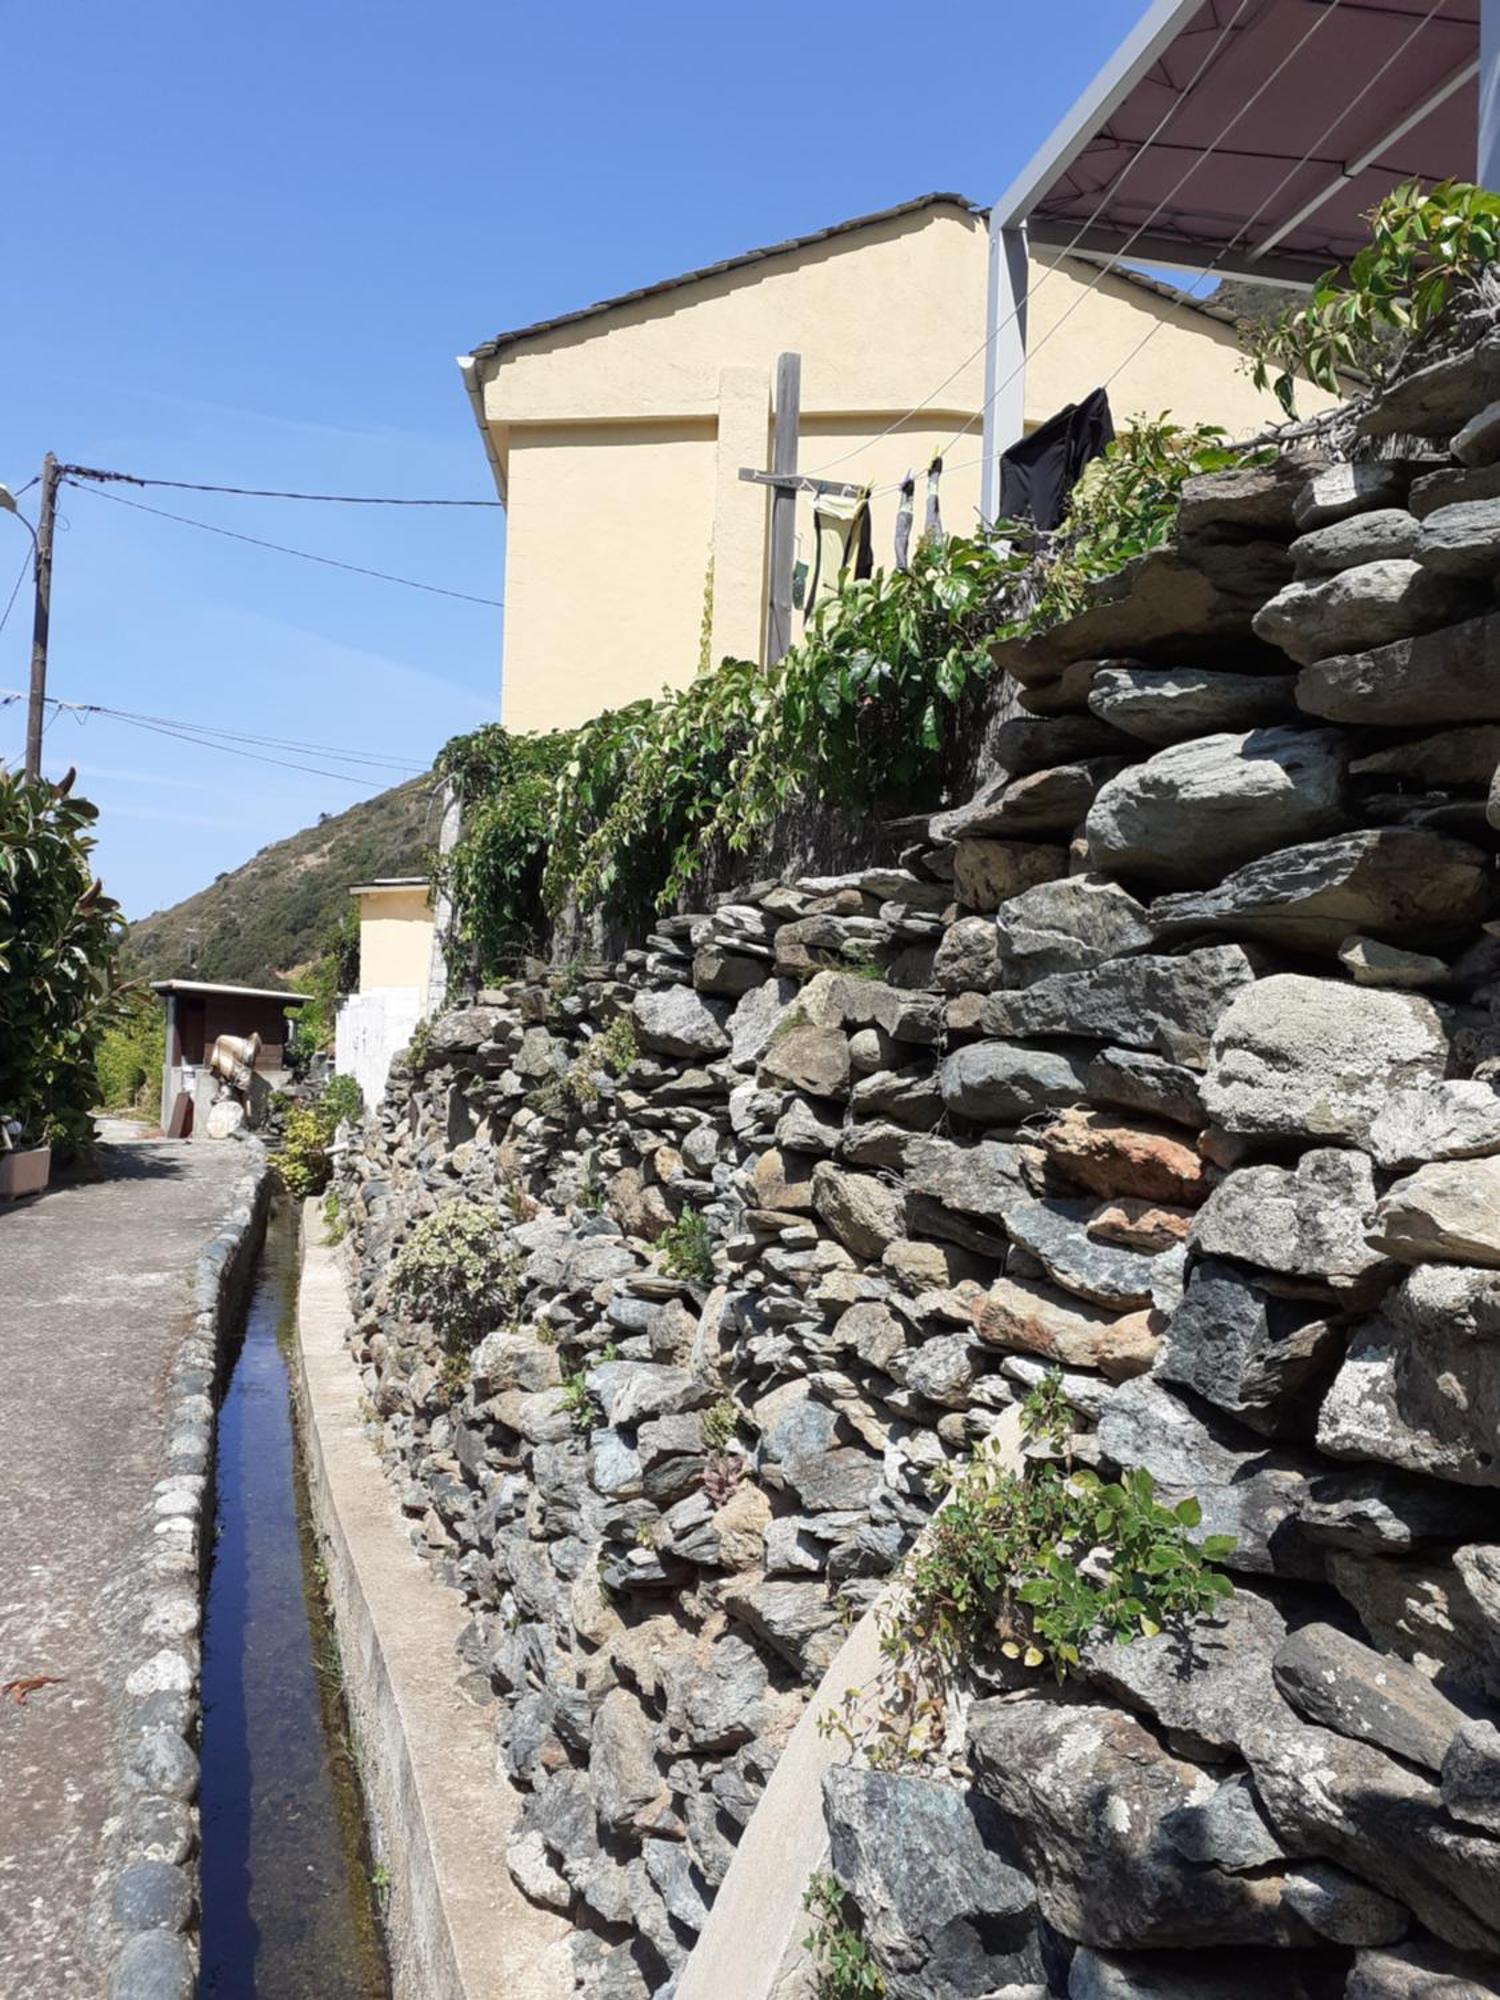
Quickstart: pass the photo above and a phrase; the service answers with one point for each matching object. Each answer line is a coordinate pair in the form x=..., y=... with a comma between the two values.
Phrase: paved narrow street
x=95, y=1293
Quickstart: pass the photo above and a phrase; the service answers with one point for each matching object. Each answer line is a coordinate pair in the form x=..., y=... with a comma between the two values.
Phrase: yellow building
x=616, y=434
x=395, y=971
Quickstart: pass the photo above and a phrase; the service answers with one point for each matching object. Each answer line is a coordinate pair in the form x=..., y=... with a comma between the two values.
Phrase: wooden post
x=783, y=507
x=41, y=616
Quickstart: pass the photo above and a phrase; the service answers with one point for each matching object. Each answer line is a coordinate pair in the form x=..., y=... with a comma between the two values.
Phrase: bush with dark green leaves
x=59, y=950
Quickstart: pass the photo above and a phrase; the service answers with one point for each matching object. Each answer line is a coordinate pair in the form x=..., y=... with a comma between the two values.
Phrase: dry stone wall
x=1170, y=1060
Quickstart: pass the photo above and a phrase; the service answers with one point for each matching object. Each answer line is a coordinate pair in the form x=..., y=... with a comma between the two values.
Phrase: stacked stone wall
x=1170, y=1060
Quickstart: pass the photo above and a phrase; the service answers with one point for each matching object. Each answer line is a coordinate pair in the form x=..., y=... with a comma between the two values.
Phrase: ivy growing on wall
x=618, y=815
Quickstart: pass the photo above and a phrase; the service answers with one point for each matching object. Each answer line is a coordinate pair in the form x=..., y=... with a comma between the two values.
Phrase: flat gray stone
x=1067, y=926
x=1165, y=705
x=1257, y=1356
x=1370, y=605
x=1338, y=1681
x=999, y=1083
x=1452, y=675
x=1394, y=880
x=1384, y=534
x=1422, y=1969
x=1471, y=1774
x=1140, y=1081
x=1195, y=810
x=1055, y=1234
x=1170, y=1005
x=1462, y=540
x=1420, y=1384
x=676, y=1021
x=1295, y=1057
x=1337, y=491
x=944, y=1915
x=1310, y=1220
x=1202, y=1682
x=1460, y=757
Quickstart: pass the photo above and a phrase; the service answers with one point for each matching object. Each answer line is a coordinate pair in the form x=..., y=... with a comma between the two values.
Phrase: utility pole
x=37, y=708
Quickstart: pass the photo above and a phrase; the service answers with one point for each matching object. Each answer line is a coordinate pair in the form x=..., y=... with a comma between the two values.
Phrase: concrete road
x=94, y=1296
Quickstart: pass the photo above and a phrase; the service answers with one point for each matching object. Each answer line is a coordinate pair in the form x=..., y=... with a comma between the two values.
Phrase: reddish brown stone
x=1113, y=1156
x=1140, y=1225
x=1033, y=1318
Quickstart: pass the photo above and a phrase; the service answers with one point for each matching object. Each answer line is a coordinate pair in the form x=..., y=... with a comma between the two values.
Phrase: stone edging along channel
x=153, y=1884
x=439, y=1812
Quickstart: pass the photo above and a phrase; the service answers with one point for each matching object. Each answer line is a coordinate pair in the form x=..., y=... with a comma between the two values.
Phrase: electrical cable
x=269, y=492
x=280, y=548
x=1110, y=191
x=208, y=738
x=15, y=590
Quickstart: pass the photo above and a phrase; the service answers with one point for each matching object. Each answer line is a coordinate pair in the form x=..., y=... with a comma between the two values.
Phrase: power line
x=15, y=589
x=281, y=548
x=1111, y=189
x=209, y=738
x=272, y=493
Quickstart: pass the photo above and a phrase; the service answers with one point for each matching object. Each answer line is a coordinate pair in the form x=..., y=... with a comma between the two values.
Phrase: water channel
x=289, y=1904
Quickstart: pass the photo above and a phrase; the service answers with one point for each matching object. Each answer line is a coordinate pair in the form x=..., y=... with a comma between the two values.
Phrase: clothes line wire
x=1319, y=22
x=1110, y=191
x=1328, y=130
x=281, y=548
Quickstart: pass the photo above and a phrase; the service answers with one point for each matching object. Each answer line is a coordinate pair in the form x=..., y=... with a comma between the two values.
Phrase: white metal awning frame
x=1014, y=225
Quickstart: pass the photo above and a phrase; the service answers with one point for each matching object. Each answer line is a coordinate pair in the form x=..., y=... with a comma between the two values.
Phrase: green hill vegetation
x=255, y=923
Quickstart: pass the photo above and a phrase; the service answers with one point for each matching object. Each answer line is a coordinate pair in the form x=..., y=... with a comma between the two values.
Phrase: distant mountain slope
x=274, y=912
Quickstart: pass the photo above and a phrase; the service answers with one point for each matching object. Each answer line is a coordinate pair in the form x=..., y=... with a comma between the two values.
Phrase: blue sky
x=245, y=245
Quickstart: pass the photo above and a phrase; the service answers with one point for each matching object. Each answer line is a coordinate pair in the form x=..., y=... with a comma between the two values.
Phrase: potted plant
x=23, y=1169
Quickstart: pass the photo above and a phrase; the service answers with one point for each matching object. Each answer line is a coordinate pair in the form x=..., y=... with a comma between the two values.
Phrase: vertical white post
x=1487, y=166
x=169, y=1057
x=1004, y=355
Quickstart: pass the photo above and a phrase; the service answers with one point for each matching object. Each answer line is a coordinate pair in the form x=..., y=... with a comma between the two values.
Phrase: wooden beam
x=783, y=506
x=800, y=482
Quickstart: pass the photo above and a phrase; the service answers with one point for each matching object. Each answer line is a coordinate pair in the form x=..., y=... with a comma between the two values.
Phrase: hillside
x=255, y=921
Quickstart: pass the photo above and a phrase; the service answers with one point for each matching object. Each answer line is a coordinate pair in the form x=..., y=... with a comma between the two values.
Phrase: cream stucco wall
x=395, y=937
x=619, y=438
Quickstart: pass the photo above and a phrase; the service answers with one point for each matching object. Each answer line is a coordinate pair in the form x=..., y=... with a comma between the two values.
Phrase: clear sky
x=245, y=244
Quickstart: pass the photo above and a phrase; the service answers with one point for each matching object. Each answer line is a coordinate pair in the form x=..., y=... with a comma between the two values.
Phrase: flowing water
x=289, y=1907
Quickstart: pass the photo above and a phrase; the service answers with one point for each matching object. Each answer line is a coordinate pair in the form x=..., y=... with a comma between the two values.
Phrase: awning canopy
x=1254, y=135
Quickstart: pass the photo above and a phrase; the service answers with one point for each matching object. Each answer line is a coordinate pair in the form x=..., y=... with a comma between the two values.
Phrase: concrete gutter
x=751, y=1946
x=440, y=1808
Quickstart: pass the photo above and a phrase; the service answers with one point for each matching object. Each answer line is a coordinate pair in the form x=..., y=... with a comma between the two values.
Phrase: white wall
x=370, y=1029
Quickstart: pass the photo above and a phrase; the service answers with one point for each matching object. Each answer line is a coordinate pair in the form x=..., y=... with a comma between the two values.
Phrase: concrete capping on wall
x=751, y=1942
x=439, y=1807
x=164, y=1693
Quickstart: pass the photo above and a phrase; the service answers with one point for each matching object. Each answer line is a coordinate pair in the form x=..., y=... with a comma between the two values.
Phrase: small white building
x=395, y=971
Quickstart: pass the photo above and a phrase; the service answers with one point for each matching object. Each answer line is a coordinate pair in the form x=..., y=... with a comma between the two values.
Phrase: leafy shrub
x=507, y=786
x=579, y=1404
x=1033, y=1565
x=334, y=1226
x=456, y=1271
x=843, y=1968
x=720, y=1422
x=1425, y=251
x=306, y=1133
x=128, y=1060
x=686, y=1249
x=303, y=1161
x=1124, y=506
x=334, y=972
x=59, y=947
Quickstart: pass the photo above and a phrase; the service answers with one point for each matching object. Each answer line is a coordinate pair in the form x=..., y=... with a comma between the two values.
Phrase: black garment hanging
x=1039, y=473
x=932, y=526
x=903, y=521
